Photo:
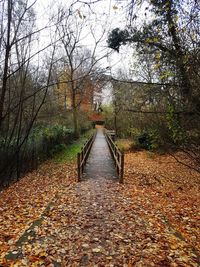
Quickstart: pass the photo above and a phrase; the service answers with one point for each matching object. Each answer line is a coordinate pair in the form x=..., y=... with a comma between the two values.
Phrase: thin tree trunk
x=75, y=115
x=5, y=71
x=75, y=122
x=115, y=117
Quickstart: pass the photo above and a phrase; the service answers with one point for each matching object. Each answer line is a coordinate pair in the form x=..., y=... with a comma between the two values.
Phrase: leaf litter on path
x=100, y=222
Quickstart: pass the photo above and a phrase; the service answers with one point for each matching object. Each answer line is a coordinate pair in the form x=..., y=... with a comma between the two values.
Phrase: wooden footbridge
x=100, y=158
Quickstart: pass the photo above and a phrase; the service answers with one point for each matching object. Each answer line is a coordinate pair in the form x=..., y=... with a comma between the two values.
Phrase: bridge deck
x=100, y=163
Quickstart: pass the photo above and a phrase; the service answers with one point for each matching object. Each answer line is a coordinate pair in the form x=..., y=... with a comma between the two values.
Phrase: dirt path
x=97, y=223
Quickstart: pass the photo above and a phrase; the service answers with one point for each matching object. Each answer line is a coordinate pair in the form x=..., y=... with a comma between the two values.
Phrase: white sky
x=107, y=14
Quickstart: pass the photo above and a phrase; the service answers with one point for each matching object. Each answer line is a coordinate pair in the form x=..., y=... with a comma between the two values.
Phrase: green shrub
x=177, y=133
x=57, y=149
x=149, y=139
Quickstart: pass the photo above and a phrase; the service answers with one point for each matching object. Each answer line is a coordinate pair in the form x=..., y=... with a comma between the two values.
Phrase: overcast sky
x=106, y=14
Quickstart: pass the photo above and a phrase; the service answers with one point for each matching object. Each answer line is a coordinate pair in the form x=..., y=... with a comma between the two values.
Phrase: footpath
x=97, y=223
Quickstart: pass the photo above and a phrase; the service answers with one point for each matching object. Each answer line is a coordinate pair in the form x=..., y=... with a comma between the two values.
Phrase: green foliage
x=150, y=140
x=84, y=124
x=42, y=143
x=134, y=132
x=51, y=139
x=108, y=114
x=168, y=33
x=55, y=133
x=69, y=153
x=177, y=133
x=58, y=149
x=117, y=38
x=155, y=140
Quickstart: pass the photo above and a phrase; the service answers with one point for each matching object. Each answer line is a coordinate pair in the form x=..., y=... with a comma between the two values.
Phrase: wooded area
x=163, y=111
x=46, y=90
x=129, y=68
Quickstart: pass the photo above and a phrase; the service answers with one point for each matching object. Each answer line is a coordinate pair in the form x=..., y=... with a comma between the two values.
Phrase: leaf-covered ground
x=173, y=189
x=47, y=219
x=24, y=202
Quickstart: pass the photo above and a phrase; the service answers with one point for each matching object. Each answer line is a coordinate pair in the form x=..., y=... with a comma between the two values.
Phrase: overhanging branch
x=160, y=112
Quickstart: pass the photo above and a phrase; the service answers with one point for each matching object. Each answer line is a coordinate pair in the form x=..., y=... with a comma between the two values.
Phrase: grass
x=69, y=153
x=124, y=144
x=150, y=154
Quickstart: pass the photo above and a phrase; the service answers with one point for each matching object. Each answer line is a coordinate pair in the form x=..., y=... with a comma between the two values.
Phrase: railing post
x=82, y=163
x=83, y=155
x=118, y=157
x=121, y=178
x=118, y=161
x=78, y=166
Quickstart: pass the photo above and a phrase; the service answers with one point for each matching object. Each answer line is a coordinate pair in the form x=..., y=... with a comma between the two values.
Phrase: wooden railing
x=117, y=155
x=83, y=155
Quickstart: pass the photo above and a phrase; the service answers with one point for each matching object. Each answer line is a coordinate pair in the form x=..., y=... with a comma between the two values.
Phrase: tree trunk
x=74, y=109
x=5, y=70
x=186, y=88
x=115, y=117
x=75, y=122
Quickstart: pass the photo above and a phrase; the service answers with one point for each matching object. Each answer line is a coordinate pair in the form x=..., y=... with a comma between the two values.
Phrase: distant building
x=82, y=89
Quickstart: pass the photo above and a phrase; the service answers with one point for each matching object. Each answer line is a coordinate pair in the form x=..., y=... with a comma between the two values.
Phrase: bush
x=177, y=132
x=57, y=149
x=84, y=123
x=43, y=142
x=143, y=140
x=150, y=139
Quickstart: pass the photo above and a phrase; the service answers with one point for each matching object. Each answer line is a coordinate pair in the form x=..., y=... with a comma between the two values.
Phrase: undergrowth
x=69, y=152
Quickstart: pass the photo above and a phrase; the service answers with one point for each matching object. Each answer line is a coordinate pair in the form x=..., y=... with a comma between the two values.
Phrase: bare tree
x=22, y=94
x=78, y=62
